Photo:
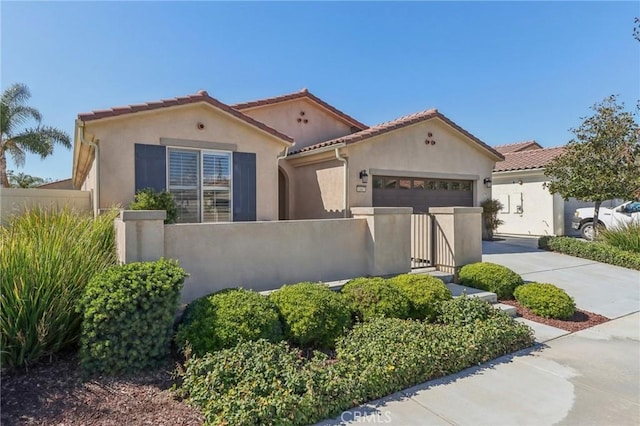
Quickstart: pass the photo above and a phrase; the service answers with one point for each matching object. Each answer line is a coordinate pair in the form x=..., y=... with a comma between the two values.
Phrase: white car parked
x=625, y=213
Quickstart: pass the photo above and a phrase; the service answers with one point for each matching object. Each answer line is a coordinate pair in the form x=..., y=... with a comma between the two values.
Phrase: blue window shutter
x=151, y=167
x=244, y=186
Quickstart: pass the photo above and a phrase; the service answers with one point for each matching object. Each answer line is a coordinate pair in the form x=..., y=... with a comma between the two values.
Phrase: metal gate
x=421, y=241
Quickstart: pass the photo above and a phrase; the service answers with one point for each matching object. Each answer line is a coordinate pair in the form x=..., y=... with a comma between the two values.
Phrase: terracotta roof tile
x=517, y=146
x=393, y=125
x=526, y=160
x=304, y=93
x=201, y=96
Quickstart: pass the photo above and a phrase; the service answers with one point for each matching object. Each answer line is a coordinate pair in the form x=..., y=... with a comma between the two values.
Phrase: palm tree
x=16, y=140
x=22, y=180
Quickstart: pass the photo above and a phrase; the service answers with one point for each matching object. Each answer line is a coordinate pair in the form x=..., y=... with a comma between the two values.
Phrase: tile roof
x=304, y=93
x=518, y=146
x=393, y=125
x=526, y=160
x=201, y=96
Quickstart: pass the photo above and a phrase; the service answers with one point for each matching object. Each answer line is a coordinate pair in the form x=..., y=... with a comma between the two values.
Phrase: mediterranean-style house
x=529, y=207
x=288, y=157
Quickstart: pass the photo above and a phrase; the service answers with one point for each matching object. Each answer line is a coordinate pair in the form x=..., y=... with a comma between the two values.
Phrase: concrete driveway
x=604, y=289
x=591, y=377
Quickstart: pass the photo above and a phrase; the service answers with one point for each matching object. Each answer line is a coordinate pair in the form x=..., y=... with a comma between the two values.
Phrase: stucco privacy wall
x=457, y=237
x=16, y=200
x=404, y=153
x=266, y=255
x=118, y=136
x=320, y=126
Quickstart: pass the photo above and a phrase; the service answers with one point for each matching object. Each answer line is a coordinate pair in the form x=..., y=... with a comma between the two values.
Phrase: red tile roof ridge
x=396, y=123
x=528, y=160
x=302, y=93
x=518, y=146
x=201, y=96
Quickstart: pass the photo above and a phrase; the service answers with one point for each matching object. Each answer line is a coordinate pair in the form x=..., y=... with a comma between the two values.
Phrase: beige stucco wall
x=458, y=237
x=321, y=126
x=399, y=153
x=117, y=137
x=266, y=255
x=15, y=200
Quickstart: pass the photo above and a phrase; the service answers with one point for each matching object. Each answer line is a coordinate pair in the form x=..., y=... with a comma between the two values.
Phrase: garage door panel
x=424, y=193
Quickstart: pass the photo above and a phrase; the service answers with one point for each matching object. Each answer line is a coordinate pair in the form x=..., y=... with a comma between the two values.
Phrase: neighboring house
x=287, y=157
x=529, y=207
x=58, y=184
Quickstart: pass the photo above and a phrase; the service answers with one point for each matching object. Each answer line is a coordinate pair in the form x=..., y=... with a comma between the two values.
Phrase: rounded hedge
x=312, y=314
x=465, y=310
x=425, y=292
x=371, y=298
x=546, y=300
x=487, y=276
x=221, y=320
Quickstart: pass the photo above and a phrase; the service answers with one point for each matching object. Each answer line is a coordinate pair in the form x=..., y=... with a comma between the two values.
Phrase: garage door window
x=405, y=183
x=418, y=184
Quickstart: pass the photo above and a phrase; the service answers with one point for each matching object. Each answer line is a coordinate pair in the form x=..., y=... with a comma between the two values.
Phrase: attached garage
x=421, y=193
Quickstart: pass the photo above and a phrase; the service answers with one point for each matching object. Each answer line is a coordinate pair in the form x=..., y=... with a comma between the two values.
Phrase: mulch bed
x=53, y=393
x=579, y=321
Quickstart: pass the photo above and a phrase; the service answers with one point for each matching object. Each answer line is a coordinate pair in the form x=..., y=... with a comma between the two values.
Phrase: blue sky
x=505, y=71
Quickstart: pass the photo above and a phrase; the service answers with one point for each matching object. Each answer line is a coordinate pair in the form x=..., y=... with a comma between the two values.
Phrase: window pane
x=466, y=186
x=188, y=205
x=377, y=182
x=418, y=184
x=184, y=168
x=405, y=183
x=390, y=183
x=455, y=186
x=431, y=185
x=216, y=205
x=443, y=186
x=216, y=170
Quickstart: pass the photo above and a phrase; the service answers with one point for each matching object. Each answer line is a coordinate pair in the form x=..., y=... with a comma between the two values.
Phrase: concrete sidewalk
x=591, y=377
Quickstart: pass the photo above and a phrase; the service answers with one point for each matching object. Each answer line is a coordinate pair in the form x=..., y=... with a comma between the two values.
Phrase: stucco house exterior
x=288, y=157
x=518, y=183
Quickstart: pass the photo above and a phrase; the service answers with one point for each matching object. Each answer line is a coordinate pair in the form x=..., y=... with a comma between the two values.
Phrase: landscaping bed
x=52, y=392
x=578, y=321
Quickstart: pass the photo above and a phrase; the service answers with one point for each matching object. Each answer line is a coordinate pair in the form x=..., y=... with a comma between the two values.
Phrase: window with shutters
x=200, y=182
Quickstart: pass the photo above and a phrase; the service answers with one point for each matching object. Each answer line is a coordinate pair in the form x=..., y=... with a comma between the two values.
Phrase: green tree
x=16, y=139
x=602, y=161
x=23, y=180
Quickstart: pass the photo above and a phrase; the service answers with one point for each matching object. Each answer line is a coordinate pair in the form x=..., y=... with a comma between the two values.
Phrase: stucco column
x=457, y=237
x=389, y=238
x=140, y=235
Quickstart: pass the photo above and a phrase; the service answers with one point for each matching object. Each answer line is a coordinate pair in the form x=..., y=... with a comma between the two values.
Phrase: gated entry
x=421, y=240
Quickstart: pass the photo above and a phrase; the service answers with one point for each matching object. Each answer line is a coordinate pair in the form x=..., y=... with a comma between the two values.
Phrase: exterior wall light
x=487, y=182
x=364, y=176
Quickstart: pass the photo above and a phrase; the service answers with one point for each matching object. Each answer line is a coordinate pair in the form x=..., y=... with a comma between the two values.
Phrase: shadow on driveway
x=505, y=245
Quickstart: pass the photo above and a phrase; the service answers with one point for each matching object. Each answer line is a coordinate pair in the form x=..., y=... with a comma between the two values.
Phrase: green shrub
x=313, y=314
x=46, y=260
x=626, y=237
x=425, y=292
x=150, y=199
x=265, y=383
x=487, y=276
x=595, y=250
x=543, y=242
x=392, y=354
x=375, y=297
x=546, y=300
x=465, y=310
x=223, y=319
x=128, y=316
